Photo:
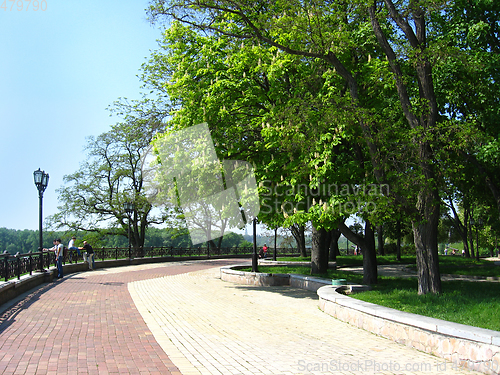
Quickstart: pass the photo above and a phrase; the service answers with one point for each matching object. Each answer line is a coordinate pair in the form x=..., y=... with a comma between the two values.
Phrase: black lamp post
x=255, y=267
x=41, y=181
x=275, y=240
x=129, y=208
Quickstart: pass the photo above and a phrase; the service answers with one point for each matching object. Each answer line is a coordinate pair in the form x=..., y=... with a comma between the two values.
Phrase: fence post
x=18, y=265
x=31, y=263
x=6, y=266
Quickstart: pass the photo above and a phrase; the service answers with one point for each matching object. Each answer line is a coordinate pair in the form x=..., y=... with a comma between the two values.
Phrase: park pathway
x=180, y=318
x=85, y=323
x=208, y=326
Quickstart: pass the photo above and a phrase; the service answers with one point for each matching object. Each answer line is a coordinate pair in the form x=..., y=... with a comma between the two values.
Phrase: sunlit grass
x=471, y=303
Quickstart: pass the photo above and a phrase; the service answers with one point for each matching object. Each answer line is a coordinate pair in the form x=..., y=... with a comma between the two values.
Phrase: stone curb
x=475, y=348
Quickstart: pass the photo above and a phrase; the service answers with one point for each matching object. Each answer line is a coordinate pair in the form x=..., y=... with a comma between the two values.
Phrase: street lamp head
x=45, y=180
x=37, y=175
x=128, y=207
x=41, y=179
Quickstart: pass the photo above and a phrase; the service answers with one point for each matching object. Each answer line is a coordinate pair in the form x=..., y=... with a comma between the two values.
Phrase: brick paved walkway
x=174, y=318
x=85, y=323
x=208, y=326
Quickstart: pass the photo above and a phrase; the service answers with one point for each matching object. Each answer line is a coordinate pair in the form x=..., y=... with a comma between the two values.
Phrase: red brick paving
x=85, y=325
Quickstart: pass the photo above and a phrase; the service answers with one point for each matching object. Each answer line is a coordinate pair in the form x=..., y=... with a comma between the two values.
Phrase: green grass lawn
x=455, y=265
x=471, y=303
x=355, y=260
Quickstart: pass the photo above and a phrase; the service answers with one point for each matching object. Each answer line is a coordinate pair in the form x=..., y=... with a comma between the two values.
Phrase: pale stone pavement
x=208, y=326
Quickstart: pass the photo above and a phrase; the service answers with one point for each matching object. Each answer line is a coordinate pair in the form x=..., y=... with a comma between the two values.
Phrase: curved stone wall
x=475, y=348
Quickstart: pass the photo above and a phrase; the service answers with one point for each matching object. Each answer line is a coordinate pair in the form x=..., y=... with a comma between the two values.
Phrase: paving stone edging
x=477, y=349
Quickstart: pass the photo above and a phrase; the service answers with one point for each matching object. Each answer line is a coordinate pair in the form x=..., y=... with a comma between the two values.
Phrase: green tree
x=400, y=62
x=250, y=95
x=93, y=197
x=237, y=90
x=468, y=86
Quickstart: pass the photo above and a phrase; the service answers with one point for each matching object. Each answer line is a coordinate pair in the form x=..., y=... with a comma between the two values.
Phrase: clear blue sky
x=60, y=69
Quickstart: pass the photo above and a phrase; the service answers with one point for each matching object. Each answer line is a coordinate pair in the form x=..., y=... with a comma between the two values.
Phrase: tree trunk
x=215, y=247
x=370, y=272
x=300, y=238
x=319, y=251
x=470, y=235
x=423, y=119
x=461, y=228
x=380, y=239
x=425, y=236
x=334, y=244
x=367, y=244
x=398, y=242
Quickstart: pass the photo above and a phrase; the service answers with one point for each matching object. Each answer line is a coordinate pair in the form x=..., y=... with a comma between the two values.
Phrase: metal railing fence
x=14, y=266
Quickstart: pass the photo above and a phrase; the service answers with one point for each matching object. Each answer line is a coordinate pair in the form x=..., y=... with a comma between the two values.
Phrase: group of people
x=58, y=248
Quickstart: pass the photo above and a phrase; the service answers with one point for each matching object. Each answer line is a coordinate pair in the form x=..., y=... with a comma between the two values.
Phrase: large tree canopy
x=373, y=48
x=93, y=197
x=352, y=92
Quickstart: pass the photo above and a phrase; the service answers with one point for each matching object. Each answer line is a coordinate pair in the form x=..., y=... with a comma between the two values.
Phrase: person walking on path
x=71, y=247
x=90, y=254
x=59, y=257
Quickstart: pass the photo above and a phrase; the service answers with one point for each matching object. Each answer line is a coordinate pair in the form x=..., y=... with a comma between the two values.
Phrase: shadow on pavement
x=283, y=290
x=11, y=309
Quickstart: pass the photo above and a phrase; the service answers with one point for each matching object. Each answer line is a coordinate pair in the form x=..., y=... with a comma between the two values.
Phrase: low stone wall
x=270, y=262
x=477, y=349
x=234, y=275
x=13, y=288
